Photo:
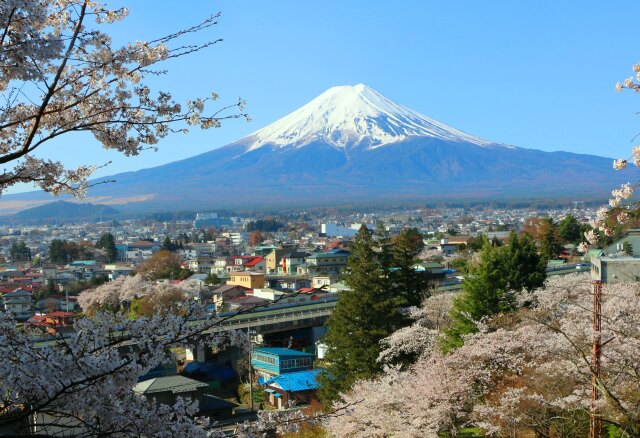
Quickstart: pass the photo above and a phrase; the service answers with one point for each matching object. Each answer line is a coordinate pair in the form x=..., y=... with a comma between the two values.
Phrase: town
x=277, y=277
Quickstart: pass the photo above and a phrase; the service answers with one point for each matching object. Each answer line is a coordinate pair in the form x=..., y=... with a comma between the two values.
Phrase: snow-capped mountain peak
x=350, y=115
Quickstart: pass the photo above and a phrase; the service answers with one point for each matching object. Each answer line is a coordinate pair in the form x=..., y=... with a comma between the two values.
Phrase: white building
x=334, y=230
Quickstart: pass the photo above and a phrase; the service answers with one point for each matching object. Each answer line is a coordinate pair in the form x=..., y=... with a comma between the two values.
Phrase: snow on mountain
x=347, y=116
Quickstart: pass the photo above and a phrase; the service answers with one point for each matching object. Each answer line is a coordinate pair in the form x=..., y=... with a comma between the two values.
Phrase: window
x=264, y=358
x=296, y=363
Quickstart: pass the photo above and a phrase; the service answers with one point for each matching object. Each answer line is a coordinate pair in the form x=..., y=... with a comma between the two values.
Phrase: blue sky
x=535, y=74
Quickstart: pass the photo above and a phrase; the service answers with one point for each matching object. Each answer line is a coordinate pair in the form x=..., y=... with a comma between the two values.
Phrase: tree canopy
x=382, y=284
x=365, y=314
x=60, y=73
x=163, y=265
x=493, y=284
x=108, y=244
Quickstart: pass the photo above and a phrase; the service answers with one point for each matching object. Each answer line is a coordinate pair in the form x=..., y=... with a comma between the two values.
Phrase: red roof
x=60, y=314
x=255, y=261
x=37, y=320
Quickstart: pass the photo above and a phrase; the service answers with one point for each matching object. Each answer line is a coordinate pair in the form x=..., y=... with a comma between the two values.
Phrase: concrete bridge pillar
x=197, y=353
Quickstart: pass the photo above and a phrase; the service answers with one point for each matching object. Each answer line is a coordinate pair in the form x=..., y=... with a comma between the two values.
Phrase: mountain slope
x=61, y=211
x=353, y=144
x=352, y=115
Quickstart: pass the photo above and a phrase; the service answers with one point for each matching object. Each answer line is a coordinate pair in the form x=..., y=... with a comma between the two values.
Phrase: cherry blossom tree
x=525, y=371
x=51, y=384
x=60, y=74
x=114, y=293
x=621, y=207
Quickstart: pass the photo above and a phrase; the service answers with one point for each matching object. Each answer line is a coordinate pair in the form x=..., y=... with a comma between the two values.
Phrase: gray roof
x=632, y=238
x=176, y=384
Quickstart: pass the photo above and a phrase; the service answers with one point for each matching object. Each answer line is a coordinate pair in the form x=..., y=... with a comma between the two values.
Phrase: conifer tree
x=168, y=244
x=382, y=242
x=107, y=242
x=549, y=241
x=569, y=229
x=367, y=312
x=492, y=285
x=410, y=283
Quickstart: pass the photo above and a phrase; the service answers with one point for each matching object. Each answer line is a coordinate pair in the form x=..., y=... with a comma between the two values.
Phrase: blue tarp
x=211, y=370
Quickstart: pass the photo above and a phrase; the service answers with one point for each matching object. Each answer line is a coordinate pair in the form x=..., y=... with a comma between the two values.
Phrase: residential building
x=299, y=387
x=615, y=269
x=227, y=292
x=166, y=389
x=290, y=261
x=257, y=264
x=58, y=302
x=201, y=265
x=324, y=263
x=274, y=257
x=273, y=260
x=631, y=239
x=248, y=279
x=246, y=302
x=221, y=266
x=323, y=280
x=289, y=283
x=280, y=296
x=18, y=302
x=117, y=271
x=268, y=362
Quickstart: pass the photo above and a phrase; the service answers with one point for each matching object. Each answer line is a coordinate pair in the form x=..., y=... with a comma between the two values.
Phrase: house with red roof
x=256, y=264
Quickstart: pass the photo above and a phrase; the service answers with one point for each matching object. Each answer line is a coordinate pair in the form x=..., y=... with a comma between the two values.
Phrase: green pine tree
x=550, y=246
x=168, y=244
x=108, y=244
x=410, y=283
x=569, y=229
x=382, y=242
x=365, y=314
x=492, y=285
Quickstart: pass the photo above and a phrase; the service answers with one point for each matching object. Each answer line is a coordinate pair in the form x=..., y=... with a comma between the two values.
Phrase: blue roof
x=282, y=352
x=83, y=263
x=211, y=370
x=298, y=381
x=339, y=251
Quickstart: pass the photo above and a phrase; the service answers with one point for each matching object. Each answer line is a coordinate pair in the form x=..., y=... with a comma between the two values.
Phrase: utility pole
x=595, y=425
x=250, y=370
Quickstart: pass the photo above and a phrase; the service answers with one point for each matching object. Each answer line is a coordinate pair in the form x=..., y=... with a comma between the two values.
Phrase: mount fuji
x=352, y=144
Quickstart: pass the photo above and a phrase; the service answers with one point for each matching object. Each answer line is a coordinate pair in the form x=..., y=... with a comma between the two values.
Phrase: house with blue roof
x=268, y=362
x=298, y=387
